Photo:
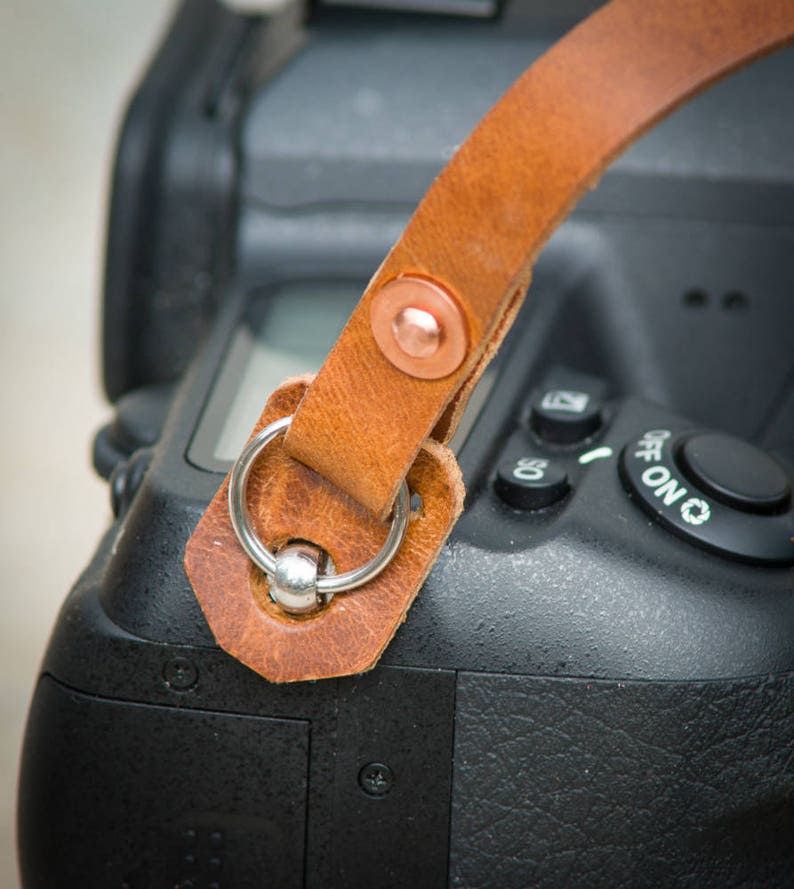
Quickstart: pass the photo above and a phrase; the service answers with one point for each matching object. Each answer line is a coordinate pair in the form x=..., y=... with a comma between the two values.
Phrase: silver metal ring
x=261, y=556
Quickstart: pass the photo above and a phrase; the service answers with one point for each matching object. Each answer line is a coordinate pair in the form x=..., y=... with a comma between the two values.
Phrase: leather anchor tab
x=290, y=502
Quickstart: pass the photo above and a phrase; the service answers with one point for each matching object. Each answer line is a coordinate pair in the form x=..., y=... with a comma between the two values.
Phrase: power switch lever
x=715, y=491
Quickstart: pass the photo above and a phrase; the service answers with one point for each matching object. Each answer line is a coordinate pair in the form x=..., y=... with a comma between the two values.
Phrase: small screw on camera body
x=180, y=673
x=376, y=779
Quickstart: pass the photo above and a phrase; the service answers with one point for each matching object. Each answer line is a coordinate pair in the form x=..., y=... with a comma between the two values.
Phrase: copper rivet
x=417, y=332
x=419, y=327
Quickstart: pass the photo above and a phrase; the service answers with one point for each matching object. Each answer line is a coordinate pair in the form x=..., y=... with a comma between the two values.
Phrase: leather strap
x=362, y=425
x=289, y=502
x=481, y=225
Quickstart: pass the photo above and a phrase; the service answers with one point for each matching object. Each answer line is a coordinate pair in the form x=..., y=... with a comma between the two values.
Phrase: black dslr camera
x=596, y=684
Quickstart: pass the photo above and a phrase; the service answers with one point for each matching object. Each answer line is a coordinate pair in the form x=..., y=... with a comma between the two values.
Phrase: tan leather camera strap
x=484, y=220
x=434, y=314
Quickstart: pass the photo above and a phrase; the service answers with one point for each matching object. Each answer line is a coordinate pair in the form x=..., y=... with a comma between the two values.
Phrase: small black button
x=530, y=482
x=565, y=416
x=735, y=472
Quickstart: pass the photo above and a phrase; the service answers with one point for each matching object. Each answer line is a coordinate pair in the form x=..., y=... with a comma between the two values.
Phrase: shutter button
x=735, y=472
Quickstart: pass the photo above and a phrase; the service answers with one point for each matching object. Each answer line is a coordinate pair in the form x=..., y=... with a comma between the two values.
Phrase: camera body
x=596, y=683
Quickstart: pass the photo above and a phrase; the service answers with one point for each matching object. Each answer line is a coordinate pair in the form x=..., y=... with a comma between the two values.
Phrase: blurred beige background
x=66, y=68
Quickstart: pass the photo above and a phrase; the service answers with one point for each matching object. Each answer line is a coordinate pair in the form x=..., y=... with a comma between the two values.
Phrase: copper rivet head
x=419, y=327
x=417, y=332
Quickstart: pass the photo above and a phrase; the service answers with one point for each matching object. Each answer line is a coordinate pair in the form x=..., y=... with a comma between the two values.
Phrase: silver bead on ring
x=294, y=585
x=261, y=556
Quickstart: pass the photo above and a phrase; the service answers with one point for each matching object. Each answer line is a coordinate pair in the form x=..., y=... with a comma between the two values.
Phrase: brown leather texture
x=482, y=223
x=289, y=501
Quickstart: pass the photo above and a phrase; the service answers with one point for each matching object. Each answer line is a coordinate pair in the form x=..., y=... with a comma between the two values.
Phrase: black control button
x=530, y=482
x=735, y=472
x=565, y=416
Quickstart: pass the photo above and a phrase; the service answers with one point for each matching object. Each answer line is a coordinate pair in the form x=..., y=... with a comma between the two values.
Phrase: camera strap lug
x=369, y=421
